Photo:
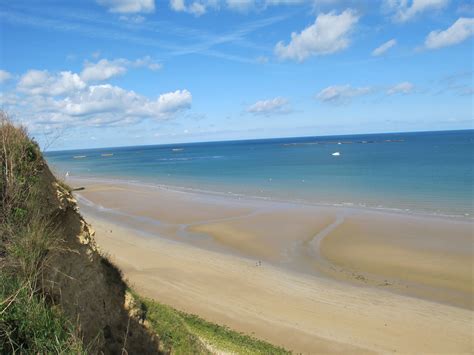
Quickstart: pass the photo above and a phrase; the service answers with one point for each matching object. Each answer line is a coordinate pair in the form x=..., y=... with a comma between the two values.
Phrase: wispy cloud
x=128, y=6
x=382, y=49
x=341, y=93
x=401, y=88
x=458, y=83
x=179, y=40
x=405, y=10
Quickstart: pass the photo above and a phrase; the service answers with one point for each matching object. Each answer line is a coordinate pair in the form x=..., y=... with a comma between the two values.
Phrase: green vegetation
x=29, y=325
x=183, y=333
x=27, y=322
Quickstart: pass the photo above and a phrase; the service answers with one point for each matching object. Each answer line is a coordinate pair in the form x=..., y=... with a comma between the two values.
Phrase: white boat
x=336, y=154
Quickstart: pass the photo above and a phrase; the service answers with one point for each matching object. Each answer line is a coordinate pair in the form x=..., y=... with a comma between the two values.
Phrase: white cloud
x=106, y=69
x=406, y=10
x=41, y=82
x=4, y=76
x=461, y=30
x=178, y=5
x=172, y=102
x=128, y=6
x=384, y=47
x=328, y=34
x=341, y=93
x=57, y=100
x=196, y=8
x=108, y=99
x=99, y=105
x=277, y=105
x=99, y=99
x=103, y=69
x=401, y=88
x=147, y=62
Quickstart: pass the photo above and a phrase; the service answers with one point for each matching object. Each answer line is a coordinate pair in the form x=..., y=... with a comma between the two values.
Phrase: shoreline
x=271, y=268
x=466, y=217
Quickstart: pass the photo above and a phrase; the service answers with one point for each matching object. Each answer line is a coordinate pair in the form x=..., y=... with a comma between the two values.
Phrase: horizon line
x=260, y=139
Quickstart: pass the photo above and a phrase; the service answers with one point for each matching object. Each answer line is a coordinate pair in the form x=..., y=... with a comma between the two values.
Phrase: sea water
x=427, y=172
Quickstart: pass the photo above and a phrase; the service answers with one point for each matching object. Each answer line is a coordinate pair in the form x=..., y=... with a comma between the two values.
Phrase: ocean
x=422, y=172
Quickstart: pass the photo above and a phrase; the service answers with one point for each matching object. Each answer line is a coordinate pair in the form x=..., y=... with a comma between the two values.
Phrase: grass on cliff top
x=183, y=333
x=28, y=323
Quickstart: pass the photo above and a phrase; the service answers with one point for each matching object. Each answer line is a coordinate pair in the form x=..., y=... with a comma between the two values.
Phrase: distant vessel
x=336, y=154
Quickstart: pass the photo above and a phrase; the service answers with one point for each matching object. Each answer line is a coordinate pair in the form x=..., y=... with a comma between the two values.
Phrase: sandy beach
x=309, y=278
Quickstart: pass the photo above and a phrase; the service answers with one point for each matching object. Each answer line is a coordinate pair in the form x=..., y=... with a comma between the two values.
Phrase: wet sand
x=310, y=278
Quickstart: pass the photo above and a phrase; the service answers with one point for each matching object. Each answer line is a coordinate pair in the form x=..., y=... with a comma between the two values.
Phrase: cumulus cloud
x=329, y=34
x=341, y=93
x=41, y=82
x=128, y=6
x=58, y=100
x=4, y=76
x=99, y=99
x=461, y=30
x=384, y=47
x=277, y=105
x=401, y=88
x=102, y=105
x=406, y=10
x=104, y=69
x=116, y=101
x=172, y=102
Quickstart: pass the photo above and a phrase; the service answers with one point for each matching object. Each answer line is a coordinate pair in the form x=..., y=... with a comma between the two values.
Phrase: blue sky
x=96, y=73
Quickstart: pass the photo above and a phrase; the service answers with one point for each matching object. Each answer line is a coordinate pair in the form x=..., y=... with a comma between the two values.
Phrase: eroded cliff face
x=85, y=285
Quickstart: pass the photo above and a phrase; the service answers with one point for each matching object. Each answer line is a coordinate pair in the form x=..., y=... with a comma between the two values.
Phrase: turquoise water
x=429, y=172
